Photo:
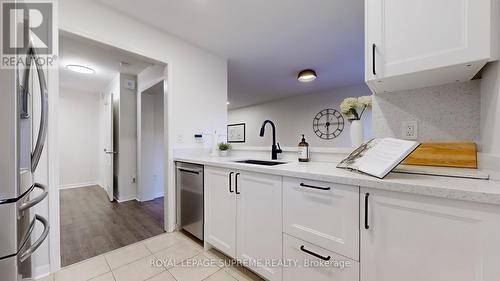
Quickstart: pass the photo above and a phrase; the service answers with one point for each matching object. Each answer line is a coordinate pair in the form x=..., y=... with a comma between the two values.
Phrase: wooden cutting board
x=460, y=155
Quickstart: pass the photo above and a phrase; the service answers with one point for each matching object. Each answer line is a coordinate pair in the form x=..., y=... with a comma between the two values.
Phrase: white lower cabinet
x=344, y=233
x=315, y=263
x=417, y=238
x=259, y=223
x=323, y=213
x=220, y=210
x=243, y=218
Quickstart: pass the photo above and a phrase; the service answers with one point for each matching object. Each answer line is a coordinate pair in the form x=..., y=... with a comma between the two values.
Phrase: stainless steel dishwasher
x=189, y=180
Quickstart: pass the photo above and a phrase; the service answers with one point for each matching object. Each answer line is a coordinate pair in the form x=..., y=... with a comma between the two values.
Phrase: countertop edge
x=422, y=188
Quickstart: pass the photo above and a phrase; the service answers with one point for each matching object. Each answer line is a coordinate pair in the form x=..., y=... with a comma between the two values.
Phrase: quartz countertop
x=482, y=191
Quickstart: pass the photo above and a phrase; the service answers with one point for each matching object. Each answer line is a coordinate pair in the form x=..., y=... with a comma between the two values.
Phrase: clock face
x=328, y=124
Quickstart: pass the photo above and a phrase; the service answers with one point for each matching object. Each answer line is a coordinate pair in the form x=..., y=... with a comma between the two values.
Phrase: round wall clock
x=328, y=124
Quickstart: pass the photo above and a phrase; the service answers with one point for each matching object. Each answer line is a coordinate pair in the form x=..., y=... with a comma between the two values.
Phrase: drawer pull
x=303, y=249
x=315, y=187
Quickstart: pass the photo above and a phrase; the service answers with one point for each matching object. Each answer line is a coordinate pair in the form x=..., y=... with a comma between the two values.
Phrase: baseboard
x=125, y=199
x=76, y=185
x=149, y=198
x=159, y=194
x=40, y=272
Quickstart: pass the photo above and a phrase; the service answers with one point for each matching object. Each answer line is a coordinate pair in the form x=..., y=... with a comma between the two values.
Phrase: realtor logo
x=25, y=24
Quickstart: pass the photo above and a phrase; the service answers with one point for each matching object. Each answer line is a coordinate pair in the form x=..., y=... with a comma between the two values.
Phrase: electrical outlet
x=410, y=130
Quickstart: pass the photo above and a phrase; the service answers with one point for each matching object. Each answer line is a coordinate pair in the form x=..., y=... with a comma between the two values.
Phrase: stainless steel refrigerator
x=21, y=144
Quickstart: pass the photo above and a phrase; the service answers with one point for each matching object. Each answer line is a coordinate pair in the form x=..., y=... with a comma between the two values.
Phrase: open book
x=378, y=157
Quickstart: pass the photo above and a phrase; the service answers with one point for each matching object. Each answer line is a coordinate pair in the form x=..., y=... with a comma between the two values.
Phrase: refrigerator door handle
x=27, y=234
x=26, y=254
x=26, y=205
x=42, y=132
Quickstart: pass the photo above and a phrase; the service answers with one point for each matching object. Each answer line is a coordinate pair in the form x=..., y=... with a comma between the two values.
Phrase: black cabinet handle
x=230, y=182
x=315, y=187
x=367, y=226
x=374, y=68
x=236, y=182
x=303, y=249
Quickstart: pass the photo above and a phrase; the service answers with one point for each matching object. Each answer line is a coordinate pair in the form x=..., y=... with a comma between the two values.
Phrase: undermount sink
x=260, y=162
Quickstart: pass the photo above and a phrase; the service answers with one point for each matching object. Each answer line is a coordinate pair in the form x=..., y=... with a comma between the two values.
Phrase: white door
x=414, y=238
x=108, y=145
x=259, y=222
x=407, y=36
x=220, y=210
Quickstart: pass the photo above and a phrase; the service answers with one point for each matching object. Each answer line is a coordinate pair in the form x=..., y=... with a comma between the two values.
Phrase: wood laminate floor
x=92, y=225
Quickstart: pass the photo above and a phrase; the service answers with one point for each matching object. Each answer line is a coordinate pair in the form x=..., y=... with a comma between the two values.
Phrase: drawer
x=324, y=214
x=315, y=263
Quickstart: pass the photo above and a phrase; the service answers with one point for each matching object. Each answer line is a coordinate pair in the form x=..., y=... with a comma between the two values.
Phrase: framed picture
x=236, y=132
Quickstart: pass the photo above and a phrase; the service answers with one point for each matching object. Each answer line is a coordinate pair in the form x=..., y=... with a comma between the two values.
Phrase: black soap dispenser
x=303, y=150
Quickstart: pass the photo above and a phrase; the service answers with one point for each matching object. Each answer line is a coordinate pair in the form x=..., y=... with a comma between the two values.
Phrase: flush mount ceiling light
x=227, y=103
x=80, y=69
x=306, y=75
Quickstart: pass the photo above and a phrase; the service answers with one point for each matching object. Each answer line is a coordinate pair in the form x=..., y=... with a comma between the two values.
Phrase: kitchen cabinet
x=244, y=218
x=323, y=213
x=259, y=222
x=411, y=44
x=315, y=263
x=220, y=210
x=411, y=237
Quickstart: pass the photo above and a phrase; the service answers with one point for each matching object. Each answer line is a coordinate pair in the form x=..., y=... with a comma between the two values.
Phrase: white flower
x=365, y=101
x=347, y=105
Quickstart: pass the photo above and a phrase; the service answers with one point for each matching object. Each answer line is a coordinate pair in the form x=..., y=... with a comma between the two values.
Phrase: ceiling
x=267, y=42
x=105, y=60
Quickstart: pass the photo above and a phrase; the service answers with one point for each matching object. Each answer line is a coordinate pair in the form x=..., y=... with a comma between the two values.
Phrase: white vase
x=223, y=153
x=356, y=133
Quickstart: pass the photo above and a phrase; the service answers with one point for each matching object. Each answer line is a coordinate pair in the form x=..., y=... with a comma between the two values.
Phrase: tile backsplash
x=444, y=113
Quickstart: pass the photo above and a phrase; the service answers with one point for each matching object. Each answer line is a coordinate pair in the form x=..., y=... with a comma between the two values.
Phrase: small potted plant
x=224, y=149
x=353, y=109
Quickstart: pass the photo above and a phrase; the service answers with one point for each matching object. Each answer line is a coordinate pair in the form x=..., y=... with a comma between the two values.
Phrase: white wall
x=294, y=116
x=152, y=150
x=197, y=78
x=79, y=138
x=490, y=110
x=127, y=142
x=444, y=113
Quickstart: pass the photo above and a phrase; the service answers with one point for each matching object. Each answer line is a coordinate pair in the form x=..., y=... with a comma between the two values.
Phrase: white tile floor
x=166, y=257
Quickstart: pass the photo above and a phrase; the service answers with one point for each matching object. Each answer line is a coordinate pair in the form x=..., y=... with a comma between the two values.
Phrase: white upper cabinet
x=414, y=238
x=413, y=44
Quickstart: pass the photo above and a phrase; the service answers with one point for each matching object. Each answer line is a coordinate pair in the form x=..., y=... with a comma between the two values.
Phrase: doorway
x=101, y=207
x=152, y=143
